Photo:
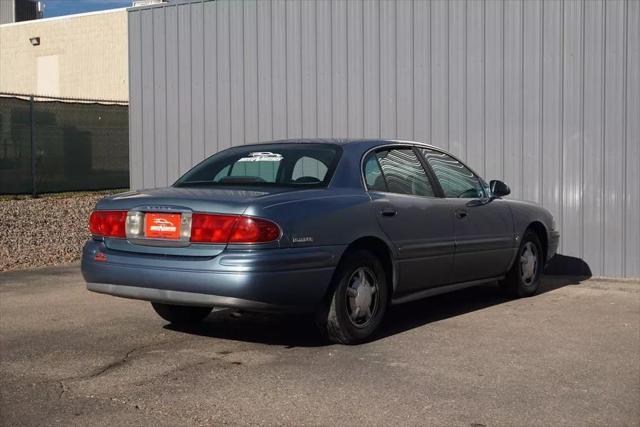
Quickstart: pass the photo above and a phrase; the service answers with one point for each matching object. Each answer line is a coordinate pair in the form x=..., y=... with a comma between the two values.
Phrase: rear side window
x=290, y=164
x=400, y=171
x=456, y=180
x=308, y=169
x=373, y=174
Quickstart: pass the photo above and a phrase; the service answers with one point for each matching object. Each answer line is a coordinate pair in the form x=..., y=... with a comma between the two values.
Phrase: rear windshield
x=291, y=165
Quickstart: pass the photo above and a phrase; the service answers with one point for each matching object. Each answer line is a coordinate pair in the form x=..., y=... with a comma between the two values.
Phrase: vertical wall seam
x=315, y=5
x=257, y=77
x=484, y=87
x=363, y=67
x=331, y=67
x=602, y=146
x=346, y=47
x=153, y=80
x=521, y=193
x=191, y=80
x=271, y=60
x=204, y=92
x=502, y=91
x=301, y=72
x=448, y=63
x=582, y=132
x=465, y=84
x=431, y=76
x=541, y=129
x=244, y=78
x=141, y=102
x=166, y=118
x=229, y=67
x=561, y=130
x=379, y=63
x=286, y=76
x=624, y=133
x=395, y=60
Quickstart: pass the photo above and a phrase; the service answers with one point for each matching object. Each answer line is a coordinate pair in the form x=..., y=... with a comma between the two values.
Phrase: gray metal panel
x=136, y=140
x=339, y=63
x=173, y=109
x=593, y=133
x=148, y=109
x=236, y=70
x=185, y=92
x=294, y=72
x=544, y=95
x=250, y=44
x=160, y=93
x=7, y=11
x=355, y=69
x=309, y=67
x=278, y=69
x=210, y=81
x=632, y=142
x=197, y=83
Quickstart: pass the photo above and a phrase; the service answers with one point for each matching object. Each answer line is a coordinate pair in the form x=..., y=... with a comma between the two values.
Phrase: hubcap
x=362, y=296
x=529, y=263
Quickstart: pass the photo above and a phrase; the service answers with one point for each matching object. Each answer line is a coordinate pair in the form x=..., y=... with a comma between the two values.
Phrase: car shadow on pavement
x=299, y=331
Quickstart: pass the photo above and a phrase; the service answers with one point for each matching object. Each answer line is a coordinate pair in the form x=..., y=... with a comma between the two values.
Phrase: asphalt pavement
x=568, y=356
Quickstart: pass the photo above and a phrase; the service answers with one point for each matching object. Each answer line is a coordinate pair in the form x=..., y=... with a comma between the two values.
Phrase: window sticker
x=262, y=156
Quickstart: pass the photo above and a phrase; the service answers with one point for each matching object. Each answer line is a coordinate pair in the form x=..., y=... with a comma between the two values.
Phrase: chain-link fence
x=52, y=145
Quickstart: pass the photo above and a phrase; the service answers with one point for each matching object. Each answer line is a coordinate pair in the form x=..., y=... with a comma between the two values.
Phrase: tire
x=524, y=277
x=181, y=314
x=346, y=320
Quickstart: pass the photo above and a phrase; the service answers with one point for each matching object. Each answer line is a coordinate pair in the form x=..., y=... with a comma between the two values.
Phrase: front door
x=483, y=228
x=418, y=223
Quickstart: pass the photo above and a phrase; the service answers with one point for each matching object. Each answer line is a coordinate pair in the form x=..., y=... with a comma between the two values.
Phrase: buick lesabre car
x=340, y=228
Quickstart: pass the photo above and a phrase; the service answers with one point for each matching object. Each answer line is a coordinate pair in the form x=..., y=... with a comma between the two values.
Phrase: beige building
x=75, y=56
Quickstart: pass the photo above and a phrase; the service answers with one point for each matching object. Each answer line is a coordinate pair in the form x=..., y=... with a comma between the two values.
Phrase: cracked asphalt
x=569, y=356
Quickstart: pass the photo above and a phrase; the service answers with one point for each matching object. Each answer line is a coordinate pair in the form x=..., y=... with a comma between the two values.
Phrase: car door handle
x=388, y=212
x=461, y=213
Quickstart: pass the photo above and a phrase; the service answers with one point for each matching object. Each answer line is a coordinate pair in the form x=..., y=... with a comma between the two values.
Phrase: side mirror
x=499, y=188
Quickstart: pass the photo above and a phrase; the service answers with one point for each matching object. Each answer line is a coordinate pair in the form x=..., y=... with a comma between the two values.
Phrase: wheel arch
x=541, y=231
x=380, y=249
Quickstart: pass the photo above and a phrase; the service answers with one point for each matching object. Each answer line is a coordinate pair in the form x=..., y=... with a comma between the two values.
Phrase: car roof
x=344, y=141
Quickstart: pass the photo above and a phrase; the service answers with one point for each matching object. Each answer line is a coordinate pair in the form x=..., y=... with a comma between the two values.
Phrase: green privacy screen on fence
x=78, y=145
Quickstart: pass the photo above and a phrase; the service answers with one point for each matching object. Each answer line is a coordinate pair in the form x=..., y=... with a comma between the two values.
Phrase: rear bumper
x=292, y=280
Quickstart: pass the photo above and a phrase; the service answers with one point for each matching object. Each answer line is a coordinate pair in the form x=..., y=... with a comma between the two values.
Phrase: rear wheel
x=358, y=302
x=523, y=279
x=181, y=314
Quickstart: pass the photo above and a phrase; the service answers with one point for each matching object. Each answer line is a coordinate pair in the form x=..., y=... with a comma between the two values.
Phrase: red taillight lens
x=108, y=223
x=254, y=230
x=211, y=228
x=207, y=228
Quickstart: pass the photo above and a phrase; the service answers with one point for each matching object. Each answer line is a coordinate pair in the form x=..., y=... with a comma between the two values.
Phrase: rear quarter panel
x=325, y=217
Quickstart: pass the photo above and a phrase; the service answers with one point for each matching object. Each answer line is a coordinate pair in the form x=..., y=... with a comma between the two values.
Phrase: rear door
x=412, y=216
x=484, y=235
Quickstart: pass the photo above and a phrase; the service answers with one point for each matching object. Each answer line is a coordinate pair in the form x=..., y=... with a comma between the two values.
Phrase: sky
x=67, y=7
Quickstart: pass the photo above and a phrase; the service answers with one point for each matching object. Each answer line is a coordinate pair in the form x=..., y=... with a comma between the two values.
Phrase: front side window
x=291, y=164
x=456, y=180
x=400, y=172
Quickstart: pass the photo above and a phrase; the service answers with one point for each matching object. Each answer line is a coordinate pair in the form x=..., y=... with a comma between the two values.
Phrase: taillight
x=208, y=228
x=108, y=223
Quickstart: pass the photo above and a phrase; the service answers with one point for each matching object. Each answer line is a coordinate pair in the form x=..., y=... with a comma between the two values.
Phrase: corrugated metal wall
x=542, y=94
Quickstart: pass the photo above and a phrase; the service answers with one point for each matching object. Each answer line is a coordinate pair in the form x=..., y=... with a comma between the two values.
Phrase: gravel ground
x=48, y=230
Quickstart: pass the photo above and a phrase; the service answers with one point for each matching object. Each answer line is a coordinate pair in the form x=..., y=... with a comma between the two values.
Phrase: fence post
x=34, y=163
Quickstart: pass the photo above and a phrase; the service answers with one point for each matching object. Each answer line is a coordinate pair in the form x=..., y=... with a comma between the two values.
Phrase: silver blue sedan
x=340, y=228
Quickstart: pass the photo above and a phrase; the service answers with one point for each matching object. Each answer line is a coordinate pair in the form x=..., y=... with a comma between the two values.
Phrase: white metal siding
x=542, y=94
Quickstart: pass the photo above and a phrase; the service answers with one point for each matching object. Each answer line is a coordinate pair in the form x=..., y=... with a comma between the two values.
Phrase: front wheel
x=359, y=300
x=181, y=314
x=524, y=277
